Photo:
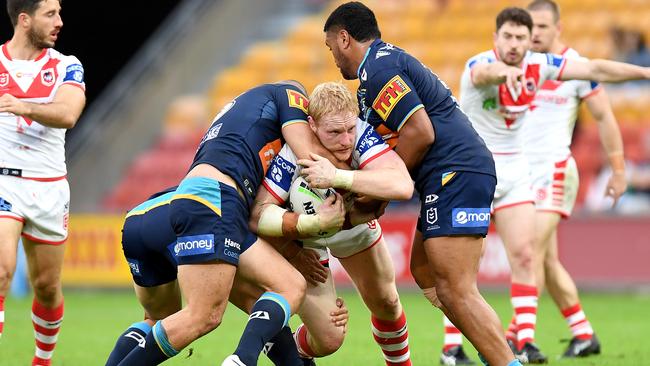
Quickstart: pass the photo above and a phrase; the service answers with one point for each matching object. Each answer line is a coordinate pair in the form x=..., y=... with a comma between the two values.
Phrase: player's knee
x=523, y=256
x=5, y=278
x=293, y=290
x=329, y=343
x=387, y=305
x=46, y=289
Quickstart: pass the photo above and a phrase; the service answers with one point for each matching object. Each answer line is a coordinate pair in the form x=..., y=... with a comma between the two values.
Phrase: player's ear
x=345, y=38
x=312, y=123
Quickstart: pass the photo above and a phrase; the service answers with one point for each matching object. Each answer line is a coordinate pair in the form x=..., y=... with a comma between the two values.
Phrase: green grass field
x=94, y=319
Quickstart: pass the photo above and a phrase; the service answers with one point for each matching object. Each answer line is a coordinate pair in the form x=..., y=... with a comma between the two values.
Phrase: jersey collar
x=365, y=57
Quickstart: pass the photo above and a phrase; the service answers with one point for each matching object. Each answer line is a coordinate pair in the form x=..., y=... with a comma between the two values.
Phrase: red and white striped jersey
x=25, y=144
x=496, y=112
x=549, y=124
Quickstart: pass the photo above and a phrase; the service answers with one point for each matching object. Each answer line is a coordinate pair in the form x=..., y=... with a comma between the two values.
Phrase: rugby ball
x=304, y=199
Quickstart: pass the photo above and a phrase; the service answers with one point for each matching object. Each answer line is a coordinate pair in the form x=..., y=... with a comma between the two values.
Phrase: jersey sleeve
x=281, y=173
x=369, y=146
x=393, y=98
x=292, y=106
x=551, y=66
x=586, y=88
x=73, y=72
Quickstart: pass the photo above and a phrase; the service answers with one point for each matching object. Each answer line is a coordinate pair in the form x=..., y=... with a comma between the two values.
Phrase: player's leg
x=10, y=229
x=454, y=261
x=373, y=274
x=284, y=290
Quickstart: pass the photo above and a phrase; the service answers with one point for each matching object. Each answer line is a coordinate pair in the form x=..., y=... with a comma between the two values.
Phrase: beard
x=38, y=39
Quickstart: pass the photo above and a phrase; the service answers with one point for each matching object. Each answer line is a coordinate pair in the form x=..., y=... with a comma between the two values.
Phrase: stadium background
x=157, y=73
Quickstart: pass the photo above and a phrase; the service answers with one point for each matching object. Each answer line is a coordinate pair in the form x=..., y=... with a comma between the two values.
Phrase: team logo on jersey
x=4, y=79
x=297, y=100
x=74, y=72
x=47, y=77
x=394, y=90
x=432, y=215
x=281, y=172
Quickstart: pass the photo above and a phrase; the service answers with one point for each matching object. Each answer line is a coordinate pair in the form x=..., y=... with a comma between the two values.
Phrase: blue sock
x=156, y=349
x=132, y=337
x=281, y=349
x=270, y=314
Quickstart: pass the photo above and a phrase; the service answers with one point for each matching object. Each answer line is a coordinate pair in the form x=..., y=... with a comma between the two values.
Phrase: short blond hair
x=331, y=98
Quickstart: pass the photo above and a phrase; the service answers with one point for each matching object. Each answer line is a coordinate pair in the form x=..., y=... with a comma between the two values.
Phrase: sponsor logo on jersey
x=74, y=73
x=432, y=215
x=431, y=198
x=229, y=243
x=281, y=172
x=268, y=152
x=369, y=139
x=297, y=100
x=213, y=132
x=4, y=79
x=470, y=217
x=47, y=77
x=134, y=266
x=394, y=90
x=5, y=205
x=381, y=54
x=193, y=245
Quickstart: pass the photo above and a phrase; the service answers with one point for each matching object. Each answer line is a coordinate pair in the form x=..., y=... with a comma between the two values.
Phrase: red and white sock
x=577, y=321
x=2, y=314
x=47, y=323
x=524, y=301
x=511, y=332
x=300, y=336
x=453, y=337
x=393, y=338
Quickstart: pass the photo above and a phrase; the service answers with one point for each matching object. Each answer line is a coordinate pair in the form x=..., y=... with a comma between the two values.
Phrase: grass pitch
x=94, y=319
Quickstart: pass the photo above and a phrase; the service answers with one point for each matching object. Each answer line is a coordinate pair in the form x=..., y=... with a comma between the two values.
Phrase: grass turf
x=94, y=319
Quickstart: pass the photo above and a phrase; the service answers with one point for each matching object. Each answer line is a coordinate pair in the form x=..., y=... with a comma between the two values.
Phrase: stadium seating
x=443, y=34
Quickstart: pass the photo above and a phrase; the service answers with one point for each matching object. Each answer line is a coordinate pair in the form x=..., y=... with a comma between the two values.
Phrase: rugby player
x=361, y=249
x=452, y=168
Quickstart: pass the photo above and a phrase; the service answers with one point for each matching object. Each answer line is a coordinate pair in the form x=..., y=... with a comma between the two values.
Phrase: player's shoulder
x=537, y=58
x=573, y=54
x=484, y=57
x=65, y=59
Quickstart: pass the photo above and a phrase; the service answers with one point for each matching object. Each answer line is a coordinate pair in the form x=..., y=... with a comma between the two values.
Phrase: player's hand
x=616, y=186
x=341, y=315
x=331, y=213
x=513, y=80
x=366, y=209
x=307, y=262
x=11, y=104
x=318, y=172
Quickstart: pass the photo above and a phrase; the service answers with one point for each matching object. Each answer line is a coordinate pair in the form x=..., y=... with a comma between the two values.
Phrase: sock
x=47, y=323
x=156, y=349
x=392, y=337
x=2, y=314
x=453, y=337
x=524, y=301
x=269, y=315
x=281, y=349
x=127, y=341
x=578, y=323
x=300, y=339
x=511, y=333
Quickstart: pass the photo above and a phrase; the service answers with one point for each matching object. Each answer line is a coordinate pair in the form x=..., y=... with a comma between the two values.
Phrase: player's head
x=333, y=115
x=348, y=25
x=512, y=38
x=39, y=20
x=546, y=24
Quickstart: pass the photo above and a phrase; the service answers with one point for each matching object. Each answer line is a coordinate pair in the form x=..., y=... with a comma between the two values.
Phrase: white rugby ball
x=304, y=199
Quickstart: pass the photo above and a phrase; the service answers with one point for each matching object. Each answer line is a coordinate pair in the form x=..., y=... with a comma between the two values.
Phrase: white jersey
x=27, y=148
x=549, y=123
x=284, y=168
x=497, y=113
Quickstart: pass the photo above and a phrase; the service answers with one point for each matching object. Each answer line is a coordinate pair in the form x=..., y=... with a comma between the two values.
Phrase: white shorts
x=513, y=181
x=555, y=184
x=42, y=207
x=346, y=243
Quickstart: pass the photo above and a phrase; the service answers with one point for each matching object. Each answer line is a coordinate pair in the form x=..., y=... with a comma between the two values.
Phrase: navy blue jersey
x=394, y=85
x=247, y=133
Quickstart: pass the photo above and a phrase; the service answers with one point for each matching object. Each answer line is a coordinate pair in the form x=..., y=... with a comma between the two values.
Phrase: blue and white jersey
x=394, y=85
x=284, y=168
x=247, y=133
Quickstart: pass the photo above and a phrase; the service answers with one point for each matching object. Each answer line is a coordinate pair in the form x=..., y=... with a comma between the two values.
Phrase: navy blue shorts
x=456, y=203
x=147, y=240
x=210, y=220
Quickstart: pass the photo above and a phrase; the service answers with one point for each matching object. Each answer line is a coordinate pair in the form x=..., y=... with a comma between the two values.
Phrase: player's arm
x=602, y=70
x=415, y=139
x=303, y=141
x=494, y=73
x=269, y=219
x=610, y=137
x=62, y=112
x=384, y=178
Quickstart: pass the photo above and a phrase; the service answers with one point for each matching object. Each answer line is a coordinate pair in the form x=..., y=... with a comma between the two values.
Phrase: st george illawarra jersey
x=548, y=126
x=284, y=168
x=497, y=113
x=26, y=145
